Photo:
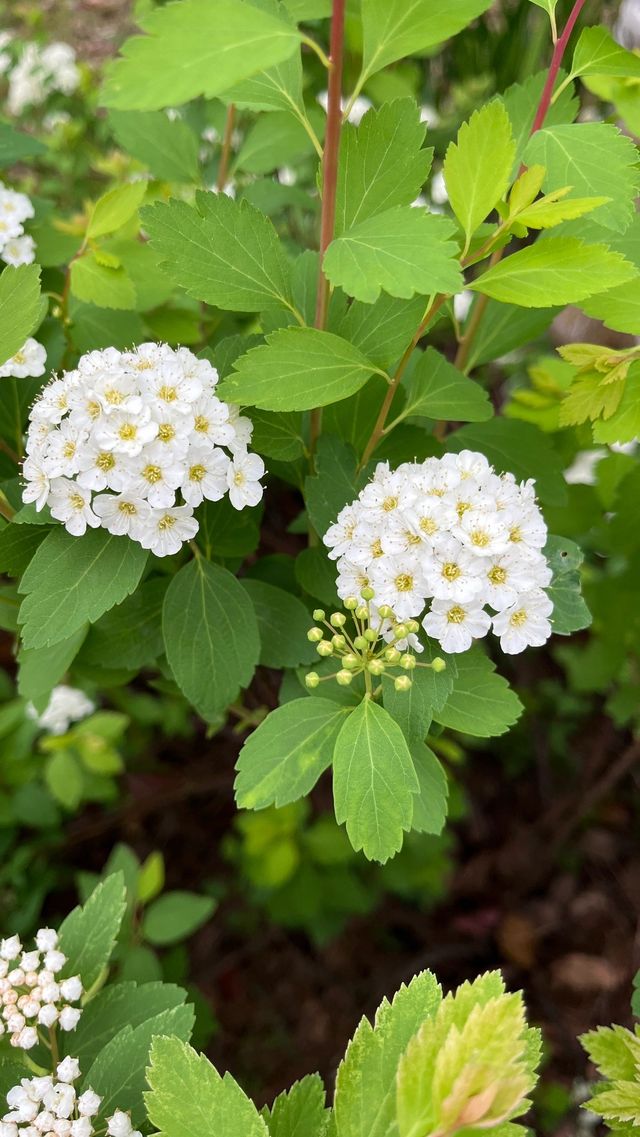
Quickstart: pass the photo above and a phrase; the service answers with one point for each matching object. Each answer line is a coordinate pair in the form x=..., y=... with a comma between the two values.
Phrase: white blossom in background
x=29, y=362
x=453, y=533
x=50, y=1106
x=439, y=194
x=32, y=997
x=39, y=72
x=462, y=302
x=5, y=56
x=627, y=26
x=66, y=705
x=16, y=246
x=357, y=112
x=133, y=442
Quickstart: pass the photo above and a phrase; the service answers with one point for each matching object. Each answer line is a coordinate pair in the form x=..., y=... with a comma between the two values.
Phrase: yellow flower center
x=376, y=548
x=113, y=396
x=166, y=432
x=480, y=539
x=497, y=575
x=19, y=357
x=166, y=522
x=144, y=365
x=462, y=507
x=69, y=449
x=451, y=571
x=516, y=534
x=127, y=507
x=93, y=409
x=168, y=394
x=239, y=478
x=389, y=504
x=456, y=614
x=152, y=474
x=128, y=432
x=201, y=423
x=404, y=582
x=77, y=501
x=197, y=473
x=428, y=526
x=105, y=461
x=519, y=618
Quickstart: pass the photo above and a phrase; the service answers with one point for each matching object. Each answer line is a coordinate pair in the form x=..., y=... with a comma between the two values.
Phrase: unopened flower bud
x=350, y=661
x=438, y=664
x=367, y=593
x=408, y=662
x=311, y=679
x=362, y=612
x=371, y=635
x=401, y=631
x=392, y=655
x=413, y=627
x=315, y=635
x=344, y=678
x=376, y=667
x=386, y=612
x=338, y=642
x=402, y=683
x=350, y=603
x=360, y=643
x=318, y=613
x=337, y=619
x=324, y=649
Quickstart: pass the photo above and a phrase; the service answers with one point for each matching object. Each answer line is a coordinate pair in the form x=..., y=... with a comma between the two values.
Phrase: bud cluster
x=30, y=994
x=370, y=641
x=51, y=1107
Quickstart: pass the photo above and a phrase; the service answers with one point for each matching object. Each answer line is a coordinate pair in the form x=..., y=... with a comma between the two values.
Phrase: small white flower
x=29, y=362
x=525, y=623
x=167, y=530
x=48, y=1015
x=71, y=505
x=27, y=1038
x=206, y=475
x=19, y=250
x=456, y=625
x=55, y=960
x=70, y=989
x=119, y=1125
x=82, y=1127
x=123, y=514
x=69, y=1069
x=69, y=1018
x=243, y=480
x=10, y=948
x=89, y=1103
x=453, y=573
x=66, y=705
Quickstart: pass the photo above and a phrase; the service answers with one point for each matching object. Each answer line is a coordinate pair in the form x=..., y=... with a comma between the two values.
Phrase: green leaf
x=100, y=284
x=619, y=308
x=624, y=425
x=194, y=49
x=210, y=634
x=430, y=803
x=366, y=1082
x=40, y=669
x=481, y=702
x=88, y=934
x=64, y=779
x=558, y=270
x=283, y=759
x=283, y=623
x=393, y=29
x=19, y=307
x=224, y=252
x=519, y=447
x=274, y=141
x=522, y=101
x=114, y=208
x=217, y=1106
x=614, y=1050
x=130, y=635
x=333, y=484
x=477, y=167
x=597, y=53
x=71, y=582
x=382, y=331
x=506, y=327
x=300, y=1111
x=116, y=1007
x=278, y=436
x=295, y=370
x=373, y=781
x=118, y=1073
x=175, y=916
x=412, y=709
x=381, y=163
x=225, y=532
x=92, y=328
x=402, y=251
x=437, y=390
x=278, y=88
x=18, y=544
x=570, y=613
x=167, y=147
x=596, y=160
x=17, y=146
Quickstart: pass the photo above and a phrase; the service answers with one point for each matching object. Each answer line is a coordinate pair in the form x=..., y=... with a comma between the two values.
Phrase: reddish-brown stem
x=329, y=179
x=554, y=66
x=225, y=157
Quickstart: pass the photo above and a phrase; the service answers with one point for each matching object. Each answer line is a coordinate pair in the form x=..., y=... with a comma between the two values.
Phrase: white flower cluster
x=30, y=994
x=50, y=1106
x=115, y=442
x=16, y=246
x=66, y=705
x=38, y=72
x=28, y=363
x=452, y=531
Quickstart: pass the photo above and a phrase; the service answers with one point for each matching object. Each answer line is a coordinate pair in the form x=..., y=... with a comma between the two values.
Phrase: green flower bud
x=438, y=664
x=312, y=679
x=360, y=643
x=386, y=612
x=324, y=649
x=350, y=661
x=362, y=613
x=318, y=613
x=367, y=592
x=315, y=635
x=408, y=662
x=413, y=627
x=344, y=678
x=337, y=619
x=370, y=635
x=338, y=642
x=401, y=631
x=376, y=667
x=350, y=603
x=402, y=683
x=392, y=655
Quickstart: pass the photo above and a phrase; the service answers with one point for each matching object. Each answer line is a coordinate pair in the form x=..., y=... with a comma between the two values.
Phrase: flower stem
x=225, y=157
x=329, y=180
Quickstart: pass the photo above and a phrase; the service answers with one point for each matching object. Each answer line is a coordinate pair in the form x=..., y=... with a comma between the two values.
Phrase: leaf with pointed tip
x=481, y=702
x=597, y=53
x=19, y=307
x=558, y=270
x=437, y=390
x=477, y=166
x=393, y=29
x=300, y=1111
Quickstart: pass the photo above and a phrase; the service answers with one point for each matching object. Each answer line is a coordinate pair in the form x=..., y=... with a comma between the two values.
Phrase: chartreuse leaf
x=114, y=208
x=222, y=251
x=167, y=147
x=107, y=286
x=558, y=270
x=373, y=781
x=596, y=160
x=216, y=1106
x=477, y=166
x=283, y=623
x=194, y=48
x=382, y=163
x=597, y=53
x=619, y=308
x=470, y=1065
x=481, y=702
x=283, y=759
x=624, y=425
x=393, y=29
x=570, y=613
x=616, y=1053
x=210, y=634
x=300, y=1111
x=436, y=389
x=366, y=1081
x=88, y=934
x=118, y=1073
x=401, y=251
x=297, y=369
x=521, y=101
x=278, y=88
x=19, y=307
x=70, y=583
x=118, y=1006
